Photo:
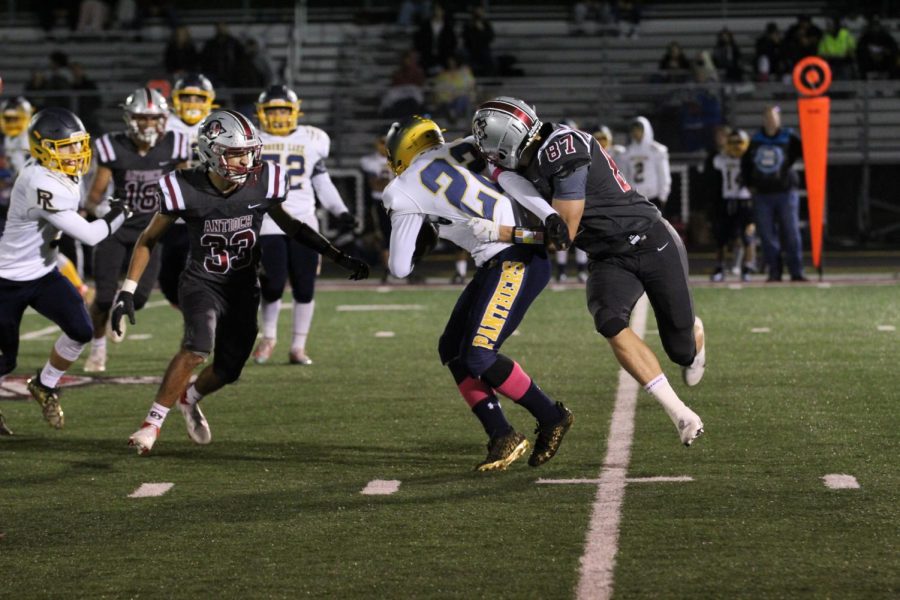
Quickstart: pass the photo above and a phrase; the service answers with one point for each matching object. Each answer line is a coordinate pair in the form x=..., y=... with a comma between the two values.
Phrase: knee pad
x=227, y=375
x=103, y=306
x=609, y=326
x=303, y=294
x=270, y=294
x=68, y=348
x=498, y=372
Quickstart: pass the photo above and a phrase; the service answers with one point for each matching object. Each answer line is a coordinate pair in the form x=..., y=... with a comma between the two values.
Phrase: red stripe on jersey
x=511, y=109
x=172, y=195
x=277, y=187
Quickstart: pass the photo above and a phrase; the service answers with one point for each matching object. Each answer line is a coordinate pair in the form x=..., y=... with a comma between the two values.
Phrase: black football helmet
x=58, y=140
x=278, y=96
x=187, y=108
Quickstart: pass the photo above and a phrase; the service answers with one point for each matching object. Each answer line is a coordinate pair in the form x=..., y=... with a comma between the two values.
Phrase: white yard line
x=599, y=559
x=149, y=490
x=385, y=334
x=377, y=307
x=886, y=328
x=760, y=330
x=40, y=333
x=381, y=487
x=659, y=479
x=840, y=481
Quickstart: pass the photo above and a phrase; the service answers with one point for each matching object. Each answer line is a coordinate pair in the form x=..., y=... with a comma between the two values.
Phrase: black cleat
x=549, y=437
x=503, y=450
x=4, y=428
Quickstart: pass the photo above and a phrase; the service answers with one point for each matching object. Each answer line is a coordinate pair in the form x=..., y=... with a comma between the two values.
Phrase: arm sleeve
x=404, y=231
x=523, y=192
x=328, y=194
x=665, y=176
x=573, y=186
x=74, y=225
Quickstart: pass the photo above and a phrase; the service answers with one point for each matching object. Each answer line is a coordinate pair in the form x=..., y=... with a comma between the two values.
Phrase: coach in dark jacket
x=766, y=171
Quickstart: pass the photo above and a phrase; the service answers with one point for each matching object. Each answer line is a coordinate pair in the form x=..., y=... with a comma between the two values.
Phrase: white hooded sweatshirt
x=645, y=165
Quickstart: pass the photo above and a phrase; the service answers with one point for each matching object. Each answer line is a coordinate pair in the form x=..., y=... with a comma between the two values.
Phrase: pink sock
x=516, y=384
x=473, y=391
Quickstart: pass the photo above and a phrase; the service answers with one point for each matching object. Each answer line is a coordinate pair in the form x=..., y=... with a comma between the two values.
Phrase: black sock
x=491, y=416
x=540, y=405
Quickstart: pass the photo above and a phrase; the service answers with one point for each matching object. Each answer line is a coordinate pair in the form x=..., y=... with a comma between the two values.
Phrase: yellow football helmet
x=14, y=116
x=407, y=138
x=188, y=110
x=278, y=96
x=737, y=144
x=58, y=140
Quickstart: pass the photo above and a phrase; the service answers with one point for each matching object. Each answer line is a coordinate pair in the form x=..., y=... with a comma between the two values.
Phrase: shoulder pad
x=106, y=149
x=563, y=152
x=52, y=191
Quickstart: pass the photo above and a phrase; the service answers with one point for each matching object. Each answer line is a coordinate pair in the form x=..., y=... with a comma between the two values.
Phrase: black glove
x=557, y=232
x=358, y=269
x=117, y=206
x=426, y=240
x=124, y=305
x=346, y=221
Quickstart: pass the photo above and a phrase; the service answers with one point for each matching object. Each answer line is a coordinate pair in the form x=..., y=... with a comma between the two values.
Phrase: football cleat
x=718, y=275
x=299, y=357
x=263, y=351
x=48, y=398
x=143, y=439
x=549, y=437
x=197, y=426
x=503, y=450
x=96, y=361
x=694, y=373
x=4, y=428
x=690, y=427
x=114, y=337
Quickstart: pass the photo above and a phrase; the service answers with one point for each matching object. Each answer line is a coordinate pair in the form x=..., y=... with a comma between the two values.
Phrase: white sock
x=303, y=314
x=50, y=375
x=270, y=312
x=157, y=415
x=98, y=344
x=192, y=395
x=661, y=389
x=462, y=266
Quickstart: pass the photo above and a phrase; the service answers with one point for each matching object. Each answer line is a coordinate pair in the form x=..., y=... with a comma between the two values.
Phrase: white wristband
x=129, y=286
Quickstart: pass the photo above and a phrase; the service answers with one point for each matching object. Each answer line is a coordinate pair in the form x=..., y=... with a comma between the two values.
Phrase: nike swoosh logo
x=251, y=206
x=663, y=247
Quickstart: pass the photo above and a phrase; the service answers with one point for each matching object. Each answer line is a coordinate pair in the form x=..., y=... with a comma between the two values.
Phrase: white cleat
x=197, y=426
x=694, y=373
x=690, y=427
x=143, y=439
x=263, y=351
x=298, y=357
x=114, y=337
x=96, y=362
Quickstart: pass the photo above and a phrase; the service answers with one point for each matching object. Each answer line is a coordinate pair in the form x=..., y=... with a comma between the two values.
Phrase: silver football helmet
x=146, y=111
x=503, y=128
x=224, y=133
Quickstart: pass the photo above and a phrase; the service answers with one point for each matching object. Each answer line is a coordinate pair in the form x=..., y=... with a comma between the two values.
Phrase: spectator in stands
x=838, y=47
x=628, y=11
x=406, y=95
x=57, y=80
x=435, y=39
x=478, y=35
x=727, y=56
x=49, y=11
x=877, y=50
x=801, y=40
x=701, y=110
x=603, y=14
x=674, y=65
x=92, y=16
x=454, y=90
x=252, y=71
x=181, y=53
x=88, y=100
x=412, y=12
x=766, y=170
x=769, y=62
x=220, y=55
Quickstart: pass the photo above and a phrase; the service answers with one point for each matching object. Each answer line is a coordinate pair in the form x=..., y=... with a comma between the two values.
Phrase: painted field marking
x=595, y=579
x=735, y=286
x=760, y=330
x=385, y=334
x=823, y=285
x=381, y=487
x=377, y=307
x=383, y=289
x=40, y=333
x=149, y=490
x=515, y=332
x=886, y=328
x=658, y=479
x=840, y=481
x=139, y=336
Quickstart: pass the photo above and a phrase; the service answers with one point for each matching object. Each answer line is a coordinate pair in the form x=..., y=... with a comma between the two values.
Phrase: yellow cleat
x=48, y=398
x=503, y=450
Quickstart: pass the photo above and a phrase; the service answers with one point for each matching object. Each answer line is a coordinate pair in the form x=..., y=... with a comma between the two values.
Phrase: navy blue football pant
x=778, y=224
x=176, y=245
x=492, y=306
x=284, y=258
x=54, y=297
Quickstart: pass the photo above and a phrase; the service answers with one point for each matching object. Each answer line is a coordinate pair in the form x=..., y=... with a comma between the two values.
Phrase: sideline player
x=645, y=163
x=45, y=201
x=14, y=116
x=192, y=99
x=631, y=248
x=222, y=201
x=432, y=180
x=134, y=159
x=301, y=151
x=733, y=210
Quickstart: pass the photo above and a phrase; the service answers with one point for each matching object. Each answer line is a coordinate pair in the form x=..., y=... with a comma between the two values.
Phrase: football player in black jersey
x=133, y=160
x=631, y=248
x=223, y=202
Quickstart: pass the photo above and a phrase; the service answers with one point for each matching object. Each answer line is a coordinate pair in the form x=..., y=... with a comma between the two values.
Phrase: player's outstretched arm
x=306, y=235
x=329, y=196
x=404, y=233
x=75, y=226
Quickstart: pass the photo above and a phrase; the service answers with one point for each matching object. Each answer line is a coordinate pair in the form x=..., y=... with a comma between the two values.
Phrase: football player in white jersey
x=432, y=180
x=733, y=213
x=301, y=150
x=192, y=99
x=45, y=202
x=14, y=116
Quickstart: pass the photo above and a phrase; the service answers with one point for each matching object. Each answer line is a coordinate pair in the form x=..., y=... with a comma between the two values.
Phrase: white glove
x=484, y=230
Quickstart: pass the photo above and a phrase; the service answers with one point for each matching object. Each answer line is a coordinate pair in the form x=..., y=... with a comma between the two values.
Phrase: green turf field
x=273, y=509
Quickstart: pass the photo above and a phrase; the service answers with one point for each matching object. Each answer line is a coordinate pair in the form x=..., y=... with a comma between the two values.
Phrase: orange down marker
x=812, y=76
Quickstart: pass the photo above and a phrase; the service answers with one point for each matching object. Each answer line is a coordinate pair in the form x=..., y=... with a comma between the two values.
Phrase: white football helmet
x=503, y=128
x=226, y=132
x=146, y=111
